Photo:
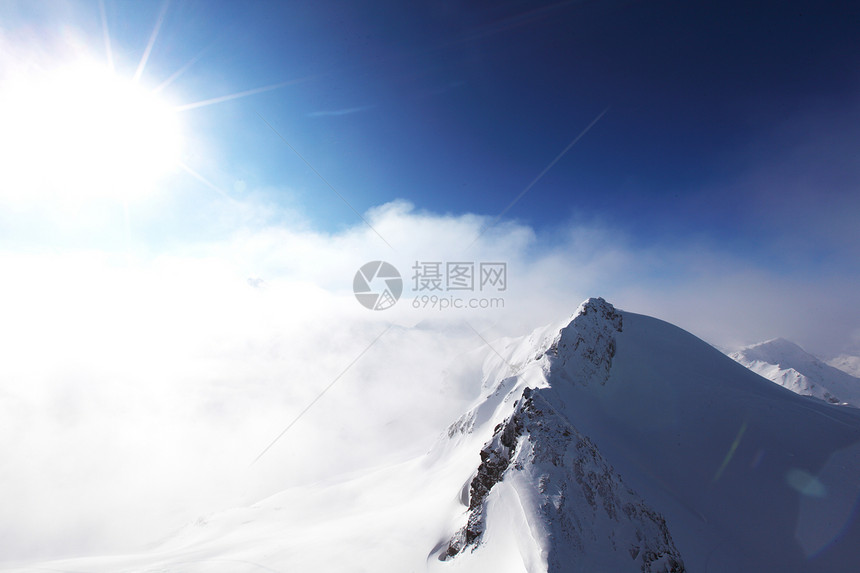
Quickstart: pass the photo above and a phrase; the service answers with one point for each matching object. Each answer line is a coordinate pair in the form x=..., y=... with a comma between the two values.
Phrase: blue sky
x=457, y=107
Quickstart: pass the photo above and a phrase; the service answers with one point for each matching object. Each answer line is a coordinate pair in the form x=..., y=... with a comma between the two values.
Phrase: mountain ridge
x=678, y=419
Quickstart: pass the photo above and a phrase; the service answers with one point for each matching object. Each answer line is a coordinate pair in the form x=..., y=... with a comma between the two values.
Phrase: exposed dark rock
x=577, y=489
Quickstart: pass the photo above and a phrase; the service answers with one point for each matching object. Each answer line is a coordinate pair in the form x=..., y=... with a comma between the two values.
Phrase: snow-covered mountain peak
x=790, y=366
x=578, y=350
x=776, y=351
x=536, y=469
x=661, y=411
x=596, y=305
x=585, y=340
x=585, y=347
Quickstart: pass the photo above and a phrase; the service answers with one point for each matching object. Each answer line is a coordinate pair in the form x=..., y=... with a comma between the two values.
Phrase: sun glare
x=81, y=131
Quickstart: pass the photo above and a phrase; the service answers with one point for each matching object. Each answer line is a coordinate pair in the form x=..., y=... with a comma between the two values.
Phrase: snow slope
x=540, y=477
x=790, y=366
x=608, y=442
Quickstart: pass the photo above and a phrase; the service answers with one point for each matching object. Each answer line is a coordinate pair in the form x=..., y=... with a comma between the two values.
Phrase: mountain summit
x=540, y=475
x=615, y=441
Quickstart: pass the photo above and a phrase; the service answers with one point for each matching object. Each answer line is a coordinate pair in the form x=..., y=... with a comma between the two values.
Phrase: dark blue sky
x=727, y=122
x=459, y=106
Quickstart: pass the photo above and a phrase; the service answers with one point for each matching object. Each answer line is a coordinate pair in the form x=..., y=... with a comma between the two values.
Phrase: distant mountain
x=790, y=366
x=609, y=442
x=847, y=363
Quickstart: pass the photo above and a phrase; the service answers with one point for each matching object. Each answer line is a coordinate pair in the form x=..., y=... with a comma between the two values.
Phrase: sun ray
x=106, y=34
x=205, y=181
x=175, y=75
x=152, y=37
x=237, y=95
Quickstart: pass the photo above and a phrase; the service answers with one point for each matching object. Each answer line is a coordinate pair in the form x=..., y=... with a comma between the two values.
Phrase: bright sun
x=81, y=131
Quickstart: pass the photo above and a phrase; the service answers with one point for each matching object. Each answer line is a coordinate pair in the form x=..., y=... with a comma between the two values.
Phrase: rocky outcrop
x=581, y=502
